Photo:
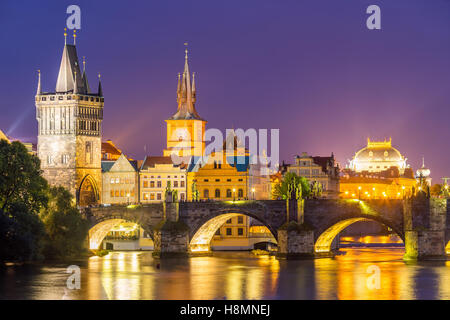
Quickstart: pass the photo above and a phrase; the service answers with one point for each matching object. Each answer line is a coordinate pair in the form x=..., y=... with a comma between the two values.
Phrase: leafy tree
x=20, y=178
x=22, y=194
x=65, y=227
x=292, y=186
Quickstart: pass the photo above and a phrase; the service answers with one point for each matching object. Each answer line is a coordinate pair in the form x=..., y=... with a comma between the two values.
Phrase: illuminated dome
x=378, y=156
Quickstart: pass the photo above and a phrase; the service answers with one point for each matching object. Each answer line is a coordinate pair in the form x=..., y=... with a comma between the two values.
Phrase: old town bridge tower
x=69, y=130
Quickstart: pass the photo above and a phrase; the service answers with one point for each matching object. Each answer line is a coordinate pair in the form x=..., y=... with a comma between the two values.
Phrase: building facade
x=120, y=181
x=155, y=175
x=69, y=131
x=323, y=170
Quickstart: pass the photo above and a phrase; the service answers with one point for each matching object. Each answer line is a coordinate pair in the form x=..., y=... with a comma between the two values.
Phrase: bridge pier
x=171, y=236
x=295, y=238
x=425, y=228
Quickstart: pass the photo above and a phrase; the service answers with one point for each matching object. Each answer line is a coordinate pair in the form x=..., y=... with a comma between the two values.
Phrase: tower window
x=217, y=193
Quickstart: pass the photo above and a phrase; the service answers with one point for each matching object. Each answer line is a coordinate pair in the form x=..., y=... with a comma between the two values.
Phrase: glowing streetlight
x=253, y=193
x=234, y=194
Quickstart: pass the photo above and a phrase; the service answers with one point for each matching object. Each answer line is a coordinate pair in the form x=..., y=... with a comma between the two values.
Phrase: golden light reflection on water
x=237, y=275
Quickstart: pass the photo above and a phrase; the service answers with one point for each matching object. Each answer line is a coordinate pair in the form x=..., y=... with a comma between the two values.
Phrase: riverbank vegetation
x=36, y=221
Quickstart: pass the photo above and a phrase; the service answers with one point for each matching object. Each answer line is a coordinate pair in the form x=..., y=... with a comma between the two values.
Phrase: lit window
x=112, y=180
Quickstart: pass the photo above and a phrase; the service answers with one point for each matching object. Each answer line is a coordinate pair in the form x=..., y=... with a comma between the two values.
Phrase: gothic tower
x=69, y=131
x=185, y=129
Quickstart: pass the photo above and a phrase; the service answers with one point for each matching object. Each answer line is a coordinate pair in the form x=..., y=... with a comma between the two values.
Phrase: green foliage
x=20, y=178
x=66, y=228
x=21, y=234
x=101, y=253
x=22, y=194
x=292, y=187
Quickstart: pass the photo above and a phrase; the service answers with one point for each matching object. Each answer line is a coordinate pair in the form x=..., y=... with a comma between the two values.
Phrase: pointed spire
x=100, y=90
x=74, y=37
x=39, y=91
x=423, y=162
x=186, y=93
x=69, y=64
x=65, y=36
x=75, y=87
x=84, y=79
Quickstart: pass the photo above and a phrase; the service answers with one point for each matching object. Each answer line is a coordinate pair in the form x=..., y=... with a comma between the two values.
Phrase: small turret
x=39, y=91
x=100, y=90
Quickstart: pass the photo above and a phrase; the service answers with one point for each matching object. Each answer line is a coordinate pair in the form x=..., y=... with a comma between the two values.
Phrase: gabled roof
x=108, y=166
x=110, y=148
x=151, y=161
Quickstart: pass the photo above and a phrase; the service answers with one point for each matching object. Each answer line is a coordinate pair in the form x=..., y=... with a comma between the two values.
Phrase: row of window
x=158, y=196
x=159, y=177
x=122, y=181
x=121, y=193
x=69, y=97
x=240, y=220
x=64, y=159
x=151, y=184
x=218, y=180
x=229, y=193
x=88, y=125
x=229, y=231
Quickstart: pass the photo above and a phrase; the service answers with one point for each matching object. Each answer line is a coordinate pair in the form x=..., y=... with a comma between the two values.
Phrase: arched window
x=206, y=193
x=217, y=193
x=240, y=193
x=229, y=193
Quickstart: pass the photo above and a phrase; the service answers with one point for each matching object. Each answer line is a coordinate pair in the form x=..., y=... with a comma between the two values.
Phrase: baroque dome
x=377, y=156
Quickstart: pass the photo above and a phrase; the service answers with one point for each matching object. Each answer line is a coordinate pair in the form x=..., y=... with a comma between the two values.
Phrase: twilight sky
x=310, y=68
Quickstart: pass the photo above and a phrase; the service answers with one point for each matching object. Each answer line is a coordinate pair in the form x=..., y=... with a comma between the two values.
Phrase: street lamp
x=234, y=194
x=359, y=192
x=128, y=197
x=253, y=192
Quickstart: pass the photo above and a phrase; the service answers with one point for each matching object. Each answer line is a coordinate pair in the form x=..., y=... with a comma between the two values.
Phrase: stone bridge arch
x=103, y=219
x=329, y=218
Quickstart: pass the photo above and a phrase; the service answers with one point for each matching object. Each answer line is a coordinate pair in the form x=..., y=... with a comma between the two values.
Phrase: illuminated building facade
x=378, y=171
x=154, y=175
x=378, y=156
x=120, y=181
x=323, y=170
x=185, y=129
x=69, y=131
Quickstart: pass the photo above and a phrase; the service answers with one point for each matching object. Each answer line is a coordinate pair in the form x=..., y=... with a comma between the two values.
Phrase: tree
x=20, y=178
x=292, y=187
x=66, y=229
x=22, y=194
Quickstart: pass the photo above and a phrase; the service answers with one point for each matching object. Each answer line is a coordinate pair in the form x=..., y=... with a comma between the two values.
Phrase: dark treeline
x=36, y=221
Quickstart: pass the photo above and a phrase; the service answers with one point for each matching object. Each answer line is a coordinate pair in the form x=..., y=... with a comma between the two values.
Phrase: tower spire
x=75, y=87
x=65, y=36
x=100, y=90
x=39, y=91
x=84, y=79
x=74, y=36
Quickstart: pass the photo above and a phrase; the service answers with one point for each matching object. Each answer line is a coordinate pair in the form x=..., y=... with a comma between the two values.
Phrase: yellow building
x=185, y=129
x=378, y=171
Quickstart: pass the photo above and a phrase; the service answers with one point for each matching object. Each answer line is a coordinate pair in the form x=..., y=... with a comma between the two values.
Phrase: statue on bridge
x=171, y=195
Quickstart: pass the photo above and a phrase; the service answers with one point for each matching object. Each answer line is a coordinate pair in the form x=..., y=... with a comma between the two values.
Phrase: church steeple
x=100, y=89
x=186, y=94
x=84, y=77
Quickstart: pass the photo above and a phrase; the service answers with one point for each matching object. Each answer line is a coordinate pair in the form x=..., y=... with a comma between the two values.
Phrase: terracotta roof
x=150, y=162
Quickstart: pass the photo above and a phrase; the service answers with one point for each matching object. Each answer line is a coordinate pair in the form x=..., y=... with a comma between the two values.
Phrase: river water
x=234, y=275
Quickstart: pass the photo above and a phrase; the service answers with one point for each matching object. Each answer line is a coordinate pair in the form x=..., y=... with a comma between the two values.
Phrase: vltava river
x=234, y=275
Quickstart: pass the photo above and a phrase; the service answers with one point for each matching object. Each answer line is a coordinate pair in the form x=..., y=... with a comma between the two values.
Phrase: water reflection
x=233, y=275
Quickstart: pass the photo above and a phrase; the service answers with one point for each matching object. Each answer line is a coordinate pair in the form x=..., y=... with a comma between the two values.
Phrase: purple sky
x=310, y=68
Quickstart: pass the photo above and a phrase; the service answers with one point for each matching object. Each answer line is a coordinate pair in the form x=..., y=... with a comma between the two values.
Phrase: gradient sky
x=310, y=68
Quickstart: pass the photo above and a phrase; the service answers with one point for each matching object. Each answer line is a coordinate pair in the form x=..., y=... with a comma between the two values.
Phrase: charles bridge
x=303, y=228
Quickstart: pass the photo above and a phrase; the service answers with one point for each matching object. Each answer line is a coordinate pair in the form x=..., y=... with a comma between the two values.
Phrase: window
x=217, y=180
x=241, y=180
x=152, y=196
x=145, y=196
x=145, y=184
x=228, y=180
x=158, y=184
x=65, y=158
x=240, y=193
x=49, y=159
x=158, y=196
x=240, y=231
x=182, y=196
x=215, y=164
x=240, y=219
x=217, y=193
x=228, y=193
x=229, y=232
x=229, y=221
x=122, y=193
x=218, y=232
x=175, y=184
x=88, y=151
x=182, y=184
x=206, y=193
x=117, y=193
x=112, y=194
x=206, y=180
x=152, y=184
x=117, y=180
